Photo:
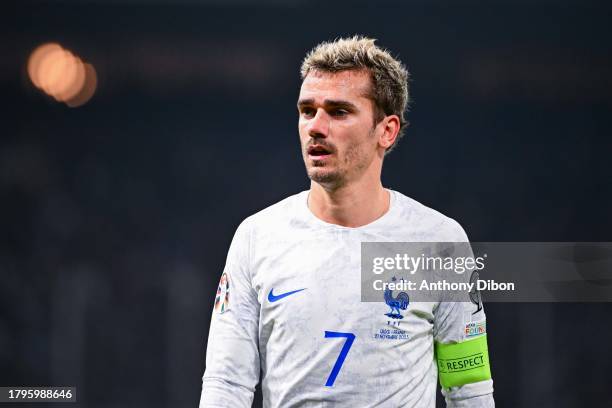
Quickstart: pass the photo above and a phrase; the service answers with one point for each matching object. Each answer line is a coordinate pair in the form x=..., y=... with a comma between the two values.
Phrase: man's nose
x=318, y=126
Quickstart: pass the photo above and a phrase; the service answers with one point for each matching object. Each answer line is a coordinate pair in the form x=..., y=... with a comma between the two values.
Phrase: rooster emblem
x=396, y=303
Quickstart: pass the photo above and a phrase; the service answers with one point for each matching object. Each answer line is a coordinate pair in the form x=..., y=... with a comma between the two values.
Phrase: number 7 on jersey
x=350, y=338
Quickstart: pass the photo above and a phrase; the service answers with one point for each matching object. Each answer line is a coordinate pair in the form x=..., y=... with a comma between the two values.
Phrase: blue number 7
x=350, y=337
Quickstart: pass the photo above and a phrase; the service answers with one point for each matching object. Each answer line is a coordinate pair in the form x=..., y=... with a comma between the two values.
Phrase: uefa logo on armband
x=222, y=298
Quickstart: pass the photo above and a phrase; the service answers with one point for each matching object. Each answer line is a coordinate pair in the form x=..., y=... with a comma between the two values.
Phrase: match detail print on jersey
x=273, y=298
x=463, y=363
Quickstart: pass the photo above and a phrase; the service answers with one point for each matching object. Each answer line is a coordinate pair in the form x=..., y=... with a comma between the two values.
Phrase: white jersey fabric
x=284, y=249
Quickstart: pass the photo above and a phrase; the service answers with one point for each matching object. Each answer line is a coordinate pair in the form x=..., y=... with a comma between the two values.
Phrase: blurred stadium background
x=116, y=215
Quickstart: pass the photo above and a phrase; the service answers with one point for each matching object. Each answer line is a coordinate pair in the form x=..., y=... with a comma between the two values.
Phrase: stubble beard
x=330, y=179
x=333, y=179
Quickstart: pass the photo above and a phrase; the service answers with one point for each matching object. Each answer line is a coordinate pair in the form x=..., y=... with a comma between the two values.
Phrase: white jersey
x=289, y=305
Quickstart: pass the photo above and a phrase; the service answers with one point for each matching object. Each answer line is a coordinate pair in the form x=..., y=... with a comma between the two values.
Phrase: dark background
x=116, y=216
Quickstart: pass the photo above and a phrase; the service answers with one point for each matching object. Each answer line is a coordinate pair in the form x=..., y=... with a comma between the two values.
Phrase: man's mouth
x=318, y=152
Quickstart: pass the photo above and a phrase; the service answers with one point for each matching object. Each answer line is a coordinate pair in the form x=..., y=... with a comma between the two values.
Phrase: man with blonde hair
x=289, y=302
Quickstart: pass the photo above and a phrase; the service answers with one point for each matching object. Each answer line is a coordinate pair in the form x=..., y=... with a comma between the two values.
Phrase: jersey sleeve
x=461, y=350
x=232, y=356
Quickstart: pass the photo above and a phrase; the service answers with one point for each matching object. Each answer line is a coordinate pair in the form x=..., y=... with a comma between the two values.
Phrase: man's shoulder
x=277, y=214
x=426, y=222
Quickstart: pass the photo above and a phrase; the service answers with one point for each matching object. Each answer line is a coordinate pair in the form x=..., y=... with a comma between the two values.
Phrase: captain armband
x=463, y=363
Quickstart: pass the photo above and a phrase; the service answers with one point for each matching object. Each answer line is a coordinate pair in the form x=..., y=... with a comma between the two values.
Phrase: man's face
x=336, y=125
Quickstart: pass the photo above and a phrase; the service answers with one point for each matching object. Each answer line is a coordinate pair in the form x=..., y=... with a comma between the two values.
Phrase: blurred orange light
x=76, y=83
x=37, y=57
x=51, y=70
x=88, y=89
x=62, y=75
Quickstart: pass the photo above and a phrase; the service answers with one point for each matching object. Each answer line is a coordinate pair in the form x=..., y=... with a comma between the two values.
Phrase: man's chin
x=325, y=177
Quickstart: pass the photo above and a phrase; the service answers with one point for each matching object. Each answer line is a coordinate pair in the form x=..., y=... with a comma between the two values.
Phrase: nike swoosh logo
x=273, y=298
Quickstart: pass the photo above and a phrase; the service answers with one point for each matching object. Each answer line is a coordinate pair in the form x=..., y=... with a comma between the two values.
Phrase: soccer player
x=288, y=303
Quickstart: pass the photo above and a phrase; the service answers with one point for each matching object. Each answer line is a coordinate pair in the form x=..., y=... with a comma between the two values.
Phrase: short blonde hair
x=389, y=90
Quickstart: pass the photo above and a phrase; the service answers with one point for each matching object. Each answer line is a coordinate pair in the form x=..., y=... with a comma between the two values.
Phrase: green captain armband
x=463, y=363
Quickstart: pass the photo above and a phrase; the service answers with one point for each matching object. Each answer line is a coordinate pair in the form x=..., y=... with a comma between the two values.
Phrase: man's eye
x=339, y=112
x=308, y=112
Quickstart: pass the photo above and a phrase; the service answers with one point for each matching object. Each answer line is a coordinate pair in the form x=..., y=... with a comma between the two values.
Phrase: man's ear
x=390, y=129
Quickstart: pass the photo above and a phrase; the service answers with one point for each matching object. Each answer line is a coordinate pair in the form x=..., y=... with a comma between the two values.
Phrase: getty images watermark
x=455, y=264
x=500, y=271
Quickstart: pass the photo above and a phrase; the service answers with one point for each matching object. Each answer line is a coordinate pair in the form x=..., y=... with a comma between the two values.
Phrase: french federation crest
x=400, y=302
x=222, y=298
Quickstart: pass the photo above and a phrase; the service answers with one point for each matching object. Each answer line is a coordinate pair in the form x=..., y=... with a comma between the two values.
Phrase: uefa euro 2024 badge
x=222, y=298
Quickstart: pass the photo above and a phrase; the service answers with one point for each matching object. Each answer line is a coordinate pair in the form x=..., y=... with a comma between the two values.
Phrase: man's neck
x=350, y=206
